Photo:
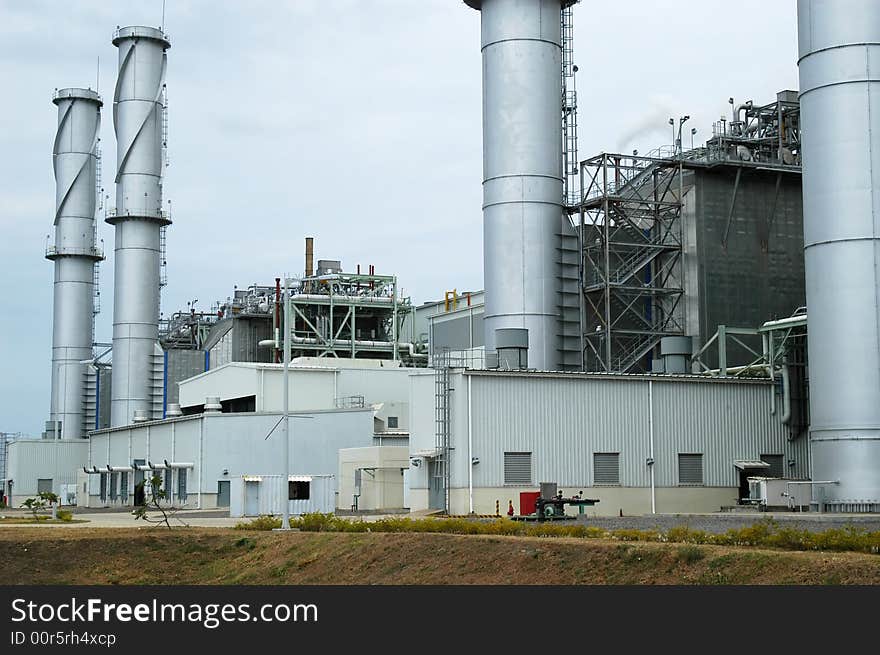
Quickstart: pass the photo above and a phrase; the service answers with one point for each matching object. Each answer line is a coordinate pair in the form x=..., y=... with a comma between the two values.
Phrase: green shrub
x=690, y=554
x=262, y=522
x=64, y=515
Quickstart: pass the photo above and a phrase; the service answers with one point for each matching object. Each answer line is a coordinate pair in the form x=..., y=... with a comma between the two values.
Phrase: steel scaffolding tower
x=630, y=233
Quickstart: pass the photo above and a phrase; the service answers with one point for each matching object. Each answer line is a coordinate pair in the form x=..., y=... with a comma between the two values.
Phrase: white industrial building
x=638, y=443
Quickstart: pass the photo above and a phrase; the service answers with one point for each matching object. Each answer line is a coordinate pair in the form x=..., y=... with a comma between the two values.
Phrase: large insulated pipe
x=74, y=158
x=522, y=169
x=137, y=114
x=839, y=48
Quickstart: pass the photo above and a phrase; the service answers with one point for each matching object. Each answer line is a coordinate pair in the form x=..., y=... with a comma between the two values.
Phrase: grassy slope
x=203, y=556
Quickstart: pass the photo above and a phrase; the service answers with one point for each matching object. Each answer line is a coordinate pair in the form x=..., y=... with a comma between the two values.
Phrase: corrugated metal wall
x=31, y=459
x=563, y=420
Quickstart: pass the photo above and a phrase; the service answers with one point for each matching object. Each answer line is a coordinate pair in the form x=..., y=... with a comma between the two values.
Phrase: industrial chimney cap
x=478, y=4
x=141, y=32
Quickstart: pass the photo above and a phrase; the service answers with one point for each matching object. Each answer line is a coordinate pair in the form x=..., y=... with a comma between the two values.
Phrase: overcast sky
x=354, y=121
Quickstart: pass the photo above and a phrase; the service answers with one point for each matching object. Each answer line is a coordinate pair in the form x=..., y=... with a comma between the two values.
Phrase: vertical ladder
x=442, y=415
x=163, y=261
x=569, y=111
x=164, y=110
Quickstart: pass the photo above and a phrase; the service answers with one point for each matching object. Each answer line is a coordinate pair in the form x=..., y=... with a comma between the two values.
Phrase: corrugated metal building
x=35, y=465
x=525, y=428
x=197, y=456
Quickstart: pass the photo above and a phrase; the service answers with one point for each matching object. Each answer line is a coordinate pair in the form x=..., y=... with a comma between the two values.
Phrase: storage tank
x=839, y=49
x=138, y=115
x=74, y=254
x=522, y=170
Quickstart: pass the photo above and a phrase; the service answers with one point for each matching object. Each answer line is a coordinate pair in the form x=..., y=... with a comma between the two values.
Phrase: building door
x=251, y=498
x=436, y=499
x=223, y=493
x=139, y=496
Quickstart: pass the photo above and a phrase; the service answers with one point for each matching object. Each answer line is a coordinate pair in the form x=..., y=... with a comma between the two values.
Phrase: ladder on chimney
x=571, y=174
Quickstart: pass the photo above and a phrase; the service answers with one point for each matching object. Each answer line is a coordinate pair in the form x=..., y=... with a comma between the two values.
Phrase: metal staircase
x=631, y=235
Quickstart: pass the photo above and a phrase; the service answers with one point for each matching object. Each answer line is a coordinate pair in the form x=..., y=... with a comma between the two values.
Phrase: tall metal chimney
x=522, y=170
x=75, y=253
x=139, y=218
x=839, y=49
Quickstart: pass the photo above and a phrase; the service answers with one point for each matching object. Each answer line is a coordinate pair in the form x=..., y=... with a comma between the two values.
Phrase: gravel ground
x=717, y=523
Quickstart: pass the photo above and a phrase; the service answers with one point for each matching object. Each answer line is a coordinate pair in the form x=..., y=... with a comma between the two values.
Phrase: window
x=123, y=485
x=392, y=422
x=518, y=468
x=167, y=485
x=777, y=468
x=181, y=485
x=114, y=481
x=298, y=490
x=44, y=485
x=606, y=468
x=690, y=468
x=103, y=487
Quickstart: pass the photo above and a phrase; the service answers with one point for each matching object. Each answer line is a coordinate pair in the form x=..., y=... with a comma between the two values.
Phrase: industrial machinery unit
x=838, y=43
x=75, y=157
x=676, y=243
x=139, y=218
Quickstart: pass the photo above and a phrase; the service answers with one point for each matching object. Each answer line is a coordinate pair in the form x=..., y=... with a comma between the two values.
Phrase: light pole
x=285, y=432
x=672, y=123
x=693, y=132
x=681, y=121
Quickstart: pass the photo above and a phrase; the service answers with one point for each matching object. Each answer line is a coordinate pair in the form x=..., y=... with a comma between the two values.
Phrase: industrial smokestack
x=522, y=170
x=75, y=253
x=839, y=43
x=139, y=218
x=310, y=256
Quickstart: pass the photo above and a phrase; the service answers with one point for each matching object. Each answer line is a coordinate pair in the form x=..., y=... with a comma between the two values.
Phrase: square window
x=690, y=468
x=518, y=468
x=606, y=468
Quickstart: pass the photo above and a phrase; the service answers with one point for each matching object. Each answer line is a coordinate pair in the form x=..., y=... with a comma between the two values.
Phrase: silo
x=521, y=44
x=138, y=217
x=839, y=49
x=75, y=253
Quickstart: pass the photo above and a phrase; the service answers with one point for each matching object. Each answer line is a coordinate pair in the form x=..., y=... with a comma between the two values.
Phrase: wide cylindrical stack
x=522, y=170
x=75, y=253
x=839, y=62
x=139, y=218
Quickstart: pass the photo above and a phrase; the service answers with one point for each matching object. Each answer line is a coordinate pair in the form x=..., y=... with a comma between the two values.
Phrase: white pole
x=470, y=450
x=651, y=434
x=285, y=432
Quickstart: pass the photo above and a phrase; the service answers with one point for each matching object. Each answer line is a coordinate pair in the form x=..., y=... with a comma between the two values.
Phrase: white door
x=251, y=498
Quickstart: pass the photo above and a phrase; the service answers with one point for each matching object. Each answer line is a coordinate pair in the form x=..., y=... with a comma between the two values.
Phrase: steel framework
x=630, y=241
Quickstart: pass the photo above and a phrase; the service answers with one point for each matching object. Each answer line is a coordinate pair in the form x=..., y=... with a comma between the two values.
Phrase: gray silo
x=839, y=50
x=522, y=170
x=75, y=253
x=138, y=113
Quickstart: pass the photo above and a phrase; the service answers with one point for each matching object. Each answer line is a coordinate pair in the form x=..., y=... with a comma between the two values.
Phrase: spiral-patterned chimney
x=138, y=217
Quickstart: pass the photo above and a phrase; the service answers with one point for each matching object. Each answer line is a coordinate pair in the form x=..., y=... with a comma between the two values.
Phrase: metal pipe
x=839, y=45
x=786, y=394
x=278, y=316
x=651, y=436
x=285, y=428
x=470, y=449
x=74, y=255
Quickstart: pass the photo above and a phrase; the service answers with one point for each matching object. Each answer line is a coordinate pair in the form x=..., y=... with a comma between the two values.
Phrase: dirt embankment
x=193, y=556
